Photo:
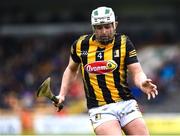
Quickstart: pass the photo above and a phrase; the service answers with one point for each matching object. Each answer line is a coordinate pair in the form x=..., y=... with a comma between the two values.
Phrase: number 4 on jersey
x=99, y=55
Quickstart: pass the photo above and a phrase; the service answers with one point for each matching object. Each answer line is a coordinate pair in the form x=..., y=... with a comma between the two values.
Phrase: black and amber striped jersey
x=104, y=68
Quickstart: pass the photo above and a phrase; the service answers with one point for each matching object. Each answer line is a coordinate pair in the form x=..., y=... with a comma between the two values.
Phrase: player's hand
x=149, y=88
x=59, y=105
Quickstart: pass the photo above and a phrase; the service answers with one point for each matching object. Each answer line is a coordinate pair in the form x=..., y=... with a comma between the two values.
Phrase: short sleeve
x=131, y=54
x=74, y=55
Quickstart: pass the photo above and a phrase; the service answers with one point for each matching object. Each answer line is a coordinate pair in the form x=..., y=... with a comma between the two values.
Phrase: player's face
x=104, y=33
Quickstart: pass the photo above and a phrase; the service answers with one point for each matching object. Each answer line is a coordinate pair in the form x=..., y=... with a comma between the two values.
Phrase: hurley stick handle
x=56, y=101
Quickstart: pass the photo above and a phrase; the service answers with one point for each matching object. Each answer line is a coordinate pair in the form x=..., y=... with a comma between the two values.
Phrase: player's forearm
x=67, y=79
x=139, y=78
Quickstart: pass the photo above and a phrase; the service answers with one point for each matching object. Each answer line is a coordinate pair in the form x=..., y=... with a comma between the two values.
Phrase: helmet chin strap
x=106, y=41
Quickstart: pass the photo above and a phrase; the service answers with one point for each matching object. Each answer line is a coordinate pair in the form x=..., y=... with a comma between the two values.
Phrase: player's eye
x=107, y=26
x=99, y=27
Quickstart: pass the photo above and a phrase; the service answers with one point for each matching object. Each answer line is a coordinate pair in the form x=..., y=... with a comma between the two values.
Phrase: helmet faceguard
x=102, y=16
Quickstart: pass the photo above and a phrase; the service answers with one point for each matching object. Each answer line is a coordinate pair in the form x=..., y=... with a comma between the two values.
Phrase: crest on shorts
x=98, y=116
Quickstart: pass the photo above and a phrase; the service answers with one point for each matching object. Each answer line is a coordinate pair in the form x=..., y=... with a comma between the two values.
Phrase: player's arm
x=138, y=76
x=68, y=77
x=141, y=81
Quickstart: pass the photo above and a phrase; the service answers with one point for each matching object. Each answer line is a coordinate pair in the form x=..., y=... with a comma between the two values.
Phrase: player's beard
x=105, y=39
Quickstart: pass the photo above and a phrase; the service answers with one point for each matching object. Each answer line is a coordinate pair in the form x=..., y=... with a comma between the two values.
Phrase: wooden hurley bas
x=45, y=91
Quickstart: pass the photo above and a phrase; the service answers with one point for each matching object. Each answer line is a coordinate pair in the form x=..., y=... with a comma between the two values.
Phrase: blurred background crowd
x=35, y=40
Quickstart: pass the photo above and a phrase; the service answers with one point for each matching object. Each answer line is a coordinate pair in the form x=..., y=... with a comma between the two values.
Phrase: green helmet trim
x=107, y=11
x=96, y=13
x=102, y=15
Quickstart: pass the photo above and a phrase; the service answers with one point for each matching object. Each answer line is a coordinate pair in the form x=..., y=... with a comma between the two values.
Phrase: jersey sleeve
x=131, y=54
x=74, y=55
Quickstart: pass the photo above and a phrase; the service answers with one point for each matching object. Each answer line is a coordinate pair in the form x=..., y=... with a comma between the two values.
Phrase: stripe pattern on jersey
x=104, y=88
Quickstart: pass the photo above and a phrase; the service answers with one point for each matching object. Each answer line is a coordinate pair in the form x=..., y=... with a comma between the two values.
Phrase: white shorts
x=123, y=111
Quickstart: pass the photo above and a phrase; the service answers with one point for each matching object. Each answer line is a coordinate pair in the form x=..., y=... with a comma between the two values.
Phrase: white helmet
x=102, y=15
